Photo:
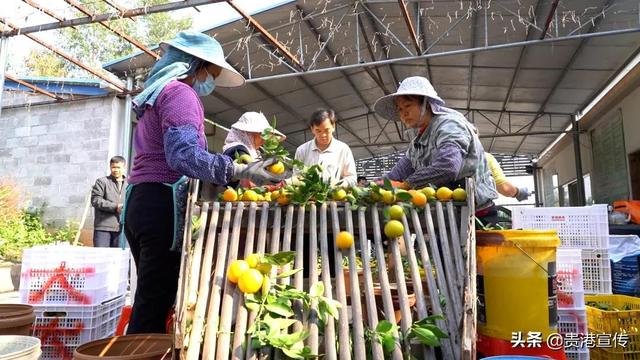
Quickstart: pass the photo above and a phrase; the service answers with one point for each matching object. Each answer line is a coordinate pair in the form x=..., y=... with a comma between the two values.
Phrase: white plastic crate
x=64, y=275
x=572, y=323
x=578, y=227
x=596, y=271
x=570, y=288
x=582, y=354
x=63, y=328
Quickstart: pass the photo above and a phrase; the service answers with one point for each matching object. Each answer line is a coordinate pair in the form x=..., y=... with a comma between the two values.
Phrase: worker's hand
x=257, y=172
x=522, y=194
x=118, y=209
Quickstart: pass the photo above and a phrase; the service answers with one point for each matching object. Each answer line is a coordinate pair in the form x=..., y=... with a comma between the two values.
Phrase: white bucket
x=15, y=347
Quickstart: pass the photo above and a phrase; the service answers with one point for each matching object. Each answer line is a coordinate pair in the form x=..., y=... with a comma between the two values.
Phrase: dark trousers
x=149, y=231
x=106, y=238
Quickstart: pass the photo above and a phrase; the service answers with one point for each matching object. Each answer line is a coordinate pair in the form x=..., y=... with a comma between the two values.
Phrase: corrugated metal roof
x=504, y=88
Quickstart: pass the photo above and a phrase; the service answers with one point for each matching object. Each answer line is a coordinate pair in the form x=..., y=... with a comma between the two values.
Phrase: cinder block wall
x=55, y=153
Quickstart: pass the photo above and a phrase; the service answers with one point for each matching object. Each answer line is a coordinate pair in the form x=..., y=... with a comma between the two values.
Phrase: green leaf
x=388, y=343
x=251, y=306
x=317, y=289
x=387, y=184
x=436, y=331
x=288, y=273
x=295, y=339
x=280, y=259
x=384, y=326
x=385, y=213
x=403, y=196
x=425, y=336
x=280, y=324
x=256, y=343
x=280, y=309
x=332, y=307
x=429, y=320
x=293, y=354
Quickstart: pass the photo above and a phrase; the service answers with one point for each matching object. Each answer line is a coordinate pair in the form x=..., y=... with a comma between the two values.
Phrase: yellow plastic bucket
x=516, y=282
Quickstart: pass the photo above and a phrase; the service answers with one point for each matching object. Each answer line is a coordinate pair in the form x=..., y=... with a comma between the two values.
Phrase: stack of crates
x=617, y=319
x=584, y=233
x=572, y=317
x=77, y=294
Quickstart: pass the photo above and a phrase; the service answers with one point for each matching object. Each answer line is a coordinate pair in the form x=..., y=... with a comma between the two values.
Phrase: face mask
x=204, y=88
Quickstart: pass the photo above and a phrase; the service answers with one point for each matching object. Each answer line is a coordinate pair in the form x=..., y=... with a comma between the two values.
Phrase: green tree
x=42, y=62
x=94, y=44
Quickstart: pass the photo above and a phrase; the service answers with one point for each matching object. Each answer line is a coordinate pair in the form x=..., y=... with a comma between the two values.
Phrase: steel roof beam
x=120, y=33
x=108, y=16
x=378, y=31
x=363, y=115
x=266, y=34
x=377, y=79
x=577, y=52
x=516, y=72
x=424, y=38
x=33, y=87
x=409, y=23
x=116, y=6
x=453, y=53
x=345, y=75
x=474, y=24
x=44, y=10
x=118, y=84
x=481, y=136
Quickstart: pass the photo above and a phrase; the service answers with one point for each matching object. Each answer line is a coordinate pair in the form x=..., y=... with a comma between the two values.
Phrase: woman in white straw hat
x=445, y=150
x=245, y=138
x=170, y=147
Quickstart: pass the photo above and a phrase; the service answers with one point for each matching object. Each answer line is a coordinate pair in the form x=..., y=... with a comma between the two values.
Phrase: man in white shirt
x=333, y=155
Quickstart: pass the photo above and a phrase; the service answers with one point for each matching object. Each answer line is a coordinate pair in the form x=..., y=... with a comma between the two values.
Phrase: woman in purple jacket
x=170, y=147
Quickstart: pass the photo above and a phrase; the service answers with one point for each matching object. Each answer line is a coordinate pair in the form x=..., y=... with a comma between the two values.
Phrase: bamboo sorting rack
x=211, y=320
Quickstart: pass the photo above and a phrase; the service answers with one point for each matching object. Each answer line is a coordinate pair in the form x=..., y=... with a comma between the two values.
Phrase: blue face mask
x=204, y=88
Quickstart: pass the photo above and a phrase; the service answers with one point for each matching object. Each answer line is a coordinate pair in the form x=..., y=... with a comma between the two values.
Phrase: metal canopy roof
x=492, y=60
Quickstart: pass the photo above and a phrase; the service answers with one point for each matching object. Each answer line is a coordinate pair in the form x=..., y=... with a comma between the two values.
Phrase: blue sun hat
x=206, y=48
x=181, y=57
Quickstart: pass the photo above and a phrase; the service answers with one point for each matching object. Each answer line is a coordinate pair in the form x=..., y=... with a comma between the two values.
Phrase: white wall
x=563, y=161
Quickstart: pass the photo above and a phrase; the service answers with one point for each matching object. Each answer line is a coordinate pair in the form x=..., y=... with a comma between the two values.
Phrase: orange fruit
x=387, y=197
x=419, y=199
x=277, y=168
x=236, y=269
x=252, y=260
x=393, y=229
x=396, y=212
x=250, y=195
x=344, y=240
x=339, y=195
x=230, y=195
x=459, y=194
x=275, y=194
x=250, y=281
x=283, y=199
x=429, y=191
x=244, y=159
x=444, y=194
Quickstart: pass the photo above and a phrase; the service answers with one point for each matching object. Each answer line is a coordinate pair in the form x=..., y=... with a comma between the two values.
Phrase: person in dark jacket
x=107, y=197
